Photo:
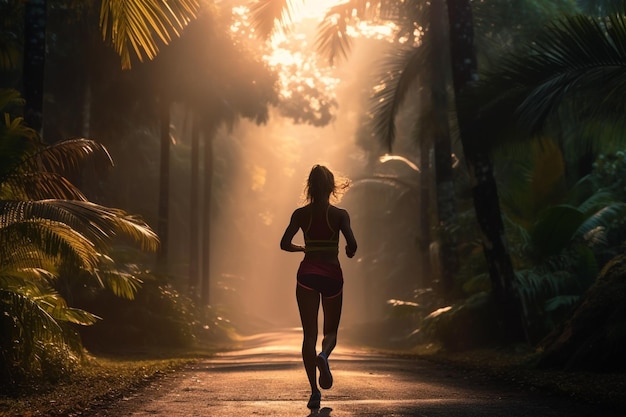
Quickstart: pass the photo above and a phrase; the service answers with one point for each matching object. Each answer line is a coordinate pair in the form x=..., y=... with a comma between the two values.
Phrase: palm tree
x=406, y=73
x=575, y=57
x=477, y=156
x=134, y=29
x=46, y=226
x=494, y=35
x=571, y=78
x=217, y=84
x=157, y=21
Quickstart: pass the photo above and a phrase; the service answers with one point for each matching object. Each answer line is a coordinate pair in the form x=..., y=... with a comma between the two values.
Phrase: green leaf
x=140, y=24
x=555, y=229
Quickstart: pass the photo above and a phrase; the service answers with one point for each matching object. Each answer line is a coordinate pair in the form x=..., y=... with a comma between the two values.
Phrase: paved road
x=267, y=379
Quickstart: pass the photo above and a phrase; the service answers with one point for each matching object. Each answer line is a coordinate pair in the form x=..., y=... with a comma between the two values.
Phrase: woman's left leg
x=308, y=304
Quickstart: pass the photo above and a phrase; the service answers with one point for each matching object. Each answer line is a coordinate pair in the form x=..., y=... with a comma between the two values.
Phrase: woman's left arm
x=290, y=232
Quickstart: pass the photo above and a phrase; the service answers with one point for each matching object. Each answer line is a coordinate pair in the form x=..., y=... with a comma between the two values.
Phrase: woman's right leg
x=332, y=316
x=308, y=304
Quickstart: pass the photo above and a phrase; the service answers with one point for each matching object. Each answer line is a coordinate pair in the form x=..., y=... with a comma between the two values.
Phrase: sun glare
x=312, y=9
x=291, y=51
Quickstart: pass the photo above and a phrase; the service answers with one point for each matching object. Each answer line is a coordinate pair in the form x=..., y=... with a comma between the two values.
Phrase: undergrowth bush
x=158, y=316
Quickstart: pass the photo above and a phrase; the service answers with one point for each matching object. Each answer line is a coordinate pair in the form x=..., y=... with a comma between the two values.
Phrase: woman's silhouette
x=319, y=275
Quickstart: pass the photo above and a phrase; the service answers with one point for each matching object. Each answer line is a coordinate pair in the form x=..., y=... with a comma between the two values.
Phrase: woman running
x=319, y=274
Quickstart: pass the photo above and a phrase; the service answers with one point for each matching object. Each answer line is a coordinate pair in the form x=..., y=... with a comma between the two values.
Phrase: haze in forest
x=267, y=165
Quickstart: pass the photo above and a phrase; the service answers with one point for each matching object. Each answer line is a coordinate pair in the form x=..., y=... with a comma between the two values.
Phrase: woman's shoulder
x=302, y=210
x=338, y=210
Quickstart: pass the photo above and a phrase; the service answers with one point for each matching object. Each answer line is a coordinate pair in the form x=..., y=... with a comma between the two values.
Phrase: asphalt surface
x=267, y=379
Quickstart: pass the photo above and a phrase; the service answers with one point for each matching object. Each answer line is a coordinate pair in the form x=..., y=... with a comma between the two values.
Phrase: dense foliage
x=50, y=231
x=548, y=108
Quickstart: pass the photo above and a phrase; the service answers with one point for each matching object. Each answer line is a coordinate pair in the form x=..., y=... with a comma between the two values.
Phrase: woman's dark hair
x=321, y=185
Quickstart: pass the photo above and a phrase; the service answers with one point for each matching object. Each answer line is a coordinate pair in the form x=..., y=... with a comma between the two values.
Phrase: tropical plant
x=571, y=73
x=560, y=237
x=48, y=228
x=139, y=26
x=568, y=80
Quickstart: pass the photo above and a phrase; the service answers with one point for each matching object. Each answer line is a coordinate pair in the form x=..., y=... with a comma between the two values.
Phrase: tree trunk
x=164, y=183
x=194, y=211
x=446, y=196
x=486, y=202
x=206, y=218
x=33, y=74
x=424, y=237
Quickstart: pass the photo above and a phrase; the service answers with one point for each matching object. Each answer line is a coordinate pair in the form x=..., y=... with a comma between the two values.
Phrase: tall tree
x=217, y=84
x=477, y=155
x=446, y=195
x=194, y=209
x=34, y=61
x=164, y=179
x=134, y=28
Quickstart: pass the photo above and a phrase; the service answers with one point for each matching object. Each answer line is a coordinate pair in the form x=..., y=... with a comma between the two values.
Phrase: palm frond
x=13, y=276
x=332, y=40
x=56, y=306
x=97, y=223
x=533, y=285
x=17, y=138
x=561, y=301
x=596, y=201
x=578, y=61
x=54, y=239
x=110, y=222
x=38, y=172
x=535, y=282
x=399, y=73
x=37, y=315
x=40, y=324
x=39, y=186
x=530, y=178
x=602, y=218
x=122, y=284
x=267, y=15
x=66, y=157
x=139, y=25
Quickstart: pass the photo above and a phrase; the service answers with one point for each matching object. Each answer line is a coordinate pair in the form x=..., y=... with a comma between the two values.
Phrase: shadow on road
x=266, y=378
x=322, y=412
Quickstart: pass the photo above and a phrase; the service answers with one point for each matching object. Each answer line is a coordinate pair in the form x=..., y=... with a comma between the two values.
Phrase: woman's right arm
x=346, y=229
x=290, y=232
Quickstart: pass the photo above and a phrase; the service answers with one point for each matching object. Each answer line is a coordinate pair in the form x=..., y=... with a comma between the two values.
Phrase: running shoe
x=314, y=401
x=326, y=378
